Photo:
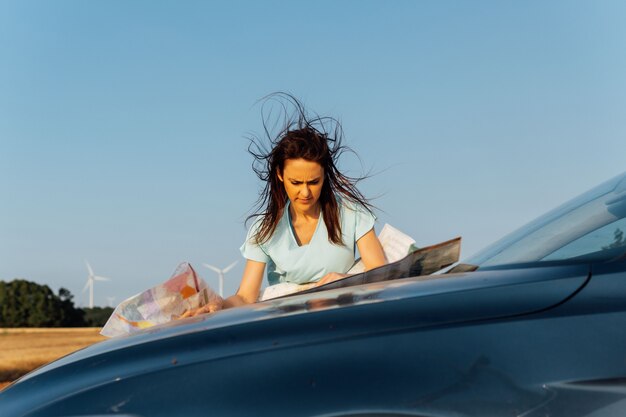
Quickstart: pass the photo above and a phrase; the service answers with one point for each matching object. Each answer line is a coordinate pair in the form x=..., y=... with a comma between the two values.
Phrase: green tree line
x=28, y=304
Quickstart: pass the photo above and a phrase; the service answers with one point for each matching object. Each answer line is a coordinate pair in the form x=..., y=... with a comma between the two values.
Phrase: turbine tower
x=91, y=278
x=220, y=274
x=111, y=300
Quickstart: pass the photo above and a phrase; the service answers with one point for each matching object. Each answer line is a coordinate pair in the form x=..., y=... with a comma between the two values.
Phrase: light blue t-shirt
x=288, y=262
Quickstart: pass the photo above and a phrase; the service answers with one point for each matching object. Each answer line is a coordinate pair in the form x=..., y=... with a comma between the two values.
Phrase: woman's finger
x=325, y=279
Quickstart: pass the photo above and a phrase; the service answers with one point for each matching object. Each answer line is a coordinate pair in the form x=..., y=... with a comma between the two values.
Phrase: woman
x=312, y=216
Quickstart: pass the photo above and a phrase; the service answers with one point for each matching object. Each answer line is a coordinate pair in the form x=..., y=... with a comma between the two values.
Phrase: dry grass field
x=24, y=349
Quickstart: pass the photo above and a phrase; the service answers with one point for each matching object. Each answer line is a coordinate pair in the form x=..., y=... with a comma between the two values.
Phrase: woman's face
x=303, y=182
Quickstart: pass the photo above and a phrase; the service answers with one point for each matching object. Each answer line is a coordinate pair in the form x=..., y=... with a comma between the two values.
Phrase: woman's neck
x=311, y=215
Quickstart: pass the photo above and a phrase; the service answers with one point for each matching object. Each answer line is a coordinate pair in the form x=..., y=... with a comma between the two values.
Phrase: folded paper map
x=183, y=291
x=399, y=249
x=423, y=261
x=396, y=246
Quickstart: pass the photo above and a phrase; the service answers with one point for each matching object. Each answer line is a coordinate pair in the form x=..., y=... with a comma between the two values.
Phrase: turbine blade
x=211, y=267
x=86, y=285
x=88, y=267
x=229, y=267
x=98, y=278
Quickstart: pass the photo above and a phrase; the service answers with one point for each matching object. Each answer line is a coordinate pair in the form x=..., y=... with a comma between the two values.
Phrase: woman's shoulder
x=257, y=225
x=352, y=207
x=356, y=219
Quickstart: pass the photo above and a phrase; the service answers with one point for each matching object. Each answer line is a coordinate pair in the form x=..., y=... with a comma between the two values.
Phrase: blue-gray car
x=534, y=325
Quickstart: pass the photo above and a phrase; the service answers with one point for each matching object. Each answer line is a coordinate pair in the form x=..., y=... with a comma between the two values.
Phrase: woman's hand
x=330, y=277
x=248, y=291
x=206, y=309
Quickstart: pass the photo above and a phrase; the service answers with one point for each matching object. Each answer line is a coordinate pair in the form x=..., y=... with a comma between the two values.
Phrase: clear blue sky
x=122, y=124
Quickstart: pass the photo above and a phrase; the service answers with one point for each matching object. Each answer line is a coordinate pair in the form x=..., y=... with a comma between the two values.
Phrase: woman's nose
x=305, y=191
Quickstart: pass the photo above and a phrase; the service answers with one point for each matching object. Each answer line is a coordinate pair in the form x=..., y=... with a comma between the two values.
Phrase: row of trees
x=28, y=304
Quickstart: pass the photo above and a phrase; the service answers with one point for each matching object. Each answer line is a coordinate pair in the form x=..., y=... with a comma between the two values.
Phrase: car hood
x=417, y=288
x=317, y=318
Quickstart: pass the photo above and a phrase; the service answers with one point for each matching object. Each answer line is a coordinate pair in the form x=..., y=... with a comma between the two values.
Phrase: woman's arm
x=250, y=286
x=248, y=291
x=371, y=250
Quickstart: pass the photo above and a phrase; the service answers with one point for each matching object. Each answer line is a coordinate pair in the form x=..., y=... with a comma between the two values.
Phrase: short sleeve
x=252, y=250
x=364, y=222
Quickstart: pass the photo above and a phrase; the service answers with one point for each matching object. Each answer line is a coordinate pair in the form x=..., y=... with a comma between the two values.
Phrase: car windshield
x=590, y=227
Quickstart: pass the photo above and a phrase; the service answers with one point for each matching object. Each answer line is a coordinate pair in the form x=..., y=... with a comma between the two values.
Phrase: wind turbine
x=220, y=274
x=91, y=278
x=110, y=300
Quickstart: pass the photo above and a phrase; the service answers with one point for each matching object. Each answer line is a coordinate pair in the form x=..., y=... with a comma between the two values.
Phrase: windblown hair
x=317, y=139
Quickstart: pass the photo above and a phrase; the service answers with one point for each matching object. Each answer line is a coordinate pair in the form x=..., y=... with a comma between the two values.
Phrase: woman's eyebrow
x=298, y=181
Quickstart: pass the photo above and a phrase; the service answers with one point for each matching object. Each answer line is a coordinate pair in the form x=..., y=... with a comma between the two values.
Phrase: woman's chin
x=306, y=205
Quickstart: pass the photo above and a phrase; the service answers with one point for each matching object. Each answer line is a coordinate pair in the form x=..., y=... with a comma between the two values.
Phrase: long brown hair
x=317, y=139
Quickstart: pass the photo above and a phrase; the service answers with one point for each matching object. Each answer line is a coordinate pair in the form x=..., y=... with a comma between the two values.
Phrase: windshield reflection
x=584, y=228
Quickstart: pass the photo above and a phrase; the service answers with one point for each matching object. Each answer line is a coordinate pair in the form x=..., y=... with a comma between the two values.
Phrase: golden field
x=24, y=349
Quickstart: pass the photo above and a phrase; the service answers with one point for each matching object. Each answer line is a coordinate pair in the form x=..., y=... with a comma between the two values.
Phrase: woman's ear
x=279, y=175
